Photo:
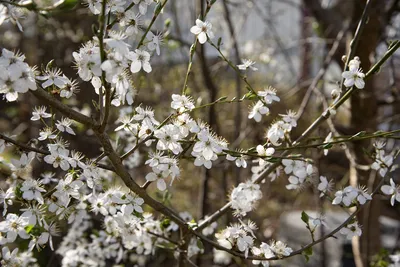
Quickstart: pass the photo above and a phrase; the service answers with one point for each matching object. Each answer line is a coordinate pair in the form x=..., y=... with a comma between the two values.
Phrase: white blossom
x=345, y=196
x=39, y=113
x=280, y=249
x=182, y=103
x=382, y=161
x=269, y=95
x=88, y=61
x=392, y=190
x=14, y=226
x=15, y=75
x=257, y=111
x=239, y=161
x=244, y=197
x=53, y=77
x=247, y=63
x=324, y=186
x=58, y=158
x=354, y=75
x=263, y=152
x=202, y=30
x=64, y=125
x=31, y=190
x=351, y=230
x=277, y=132
x=140, y=59
x=168, y=137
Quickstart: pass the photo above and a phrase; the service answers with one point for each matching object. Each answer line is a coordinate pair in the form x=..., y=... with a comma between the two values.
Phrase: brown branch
x=121, y=171
x=323, y=70
x=41, y=151
x=23, y=146
x=64, y=109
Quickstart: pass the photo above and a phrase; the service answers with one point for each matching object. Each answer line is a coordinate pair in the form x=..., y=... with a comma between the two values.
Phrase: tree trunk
x=364, y=112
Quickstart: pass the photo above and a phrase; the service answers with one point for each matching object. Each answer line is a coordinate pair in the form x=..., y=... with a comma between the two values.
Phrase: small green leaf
x=29, y=228
x=192, y=223
x=307, y=253
x=200, y=244
x=158, y=8
x=221, y=98
x=219, y=42
x=304, y=217
x=359, y=134
x=167, y=23
x=18, y=192
x=33, y=230
x=273, y=160
x=250, y=96
x=165, y=223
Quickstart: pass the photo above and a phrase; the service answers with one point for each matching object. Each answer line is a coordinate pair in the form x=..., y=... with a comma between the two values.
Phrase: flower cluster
x=60, y=83
x=244, y=197
x=182, y=103
x=299, y=171
x=239, y=235
x=114, y=200
x=275, y=249
x=163, y=167
x=137, y=125
x=268, y=96
x=120, y=64
x=80, y=248
x=15, y=258
x=349, y=193
x=207, y=148
x=276, y=132
x=134, y=232
x=383, y=161
x=242, y=236
x=13, y=14
x=15, y=75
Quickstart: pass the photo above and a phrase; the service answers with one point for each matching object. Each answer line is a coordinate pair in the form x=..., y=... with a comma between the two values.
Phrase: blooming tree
x=97, y=208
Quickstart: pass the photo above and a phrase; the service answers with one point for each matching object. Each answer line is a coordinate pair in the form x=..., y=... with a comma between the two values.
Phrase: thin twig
x=322, y=71
x=41, y=151
x=156, y=13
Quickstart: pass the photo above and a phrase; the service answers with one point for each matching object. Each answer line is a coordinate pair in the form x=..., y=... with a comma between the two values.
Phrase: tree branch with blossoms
x=106, y=210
